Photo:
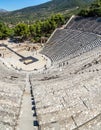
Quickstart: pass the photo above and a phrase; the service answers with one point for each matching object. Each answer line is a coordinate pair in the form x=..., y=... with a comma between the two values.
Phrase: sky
x=11, y=5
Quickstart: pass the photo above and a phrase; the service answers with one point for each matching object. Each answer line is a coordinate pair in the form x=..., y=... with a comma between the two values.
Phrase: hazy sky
x=18, y=4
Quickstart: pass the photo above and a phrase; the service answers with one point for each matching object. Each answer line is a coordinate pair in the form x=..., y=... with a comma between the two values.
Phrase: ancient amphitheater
x=56, y=88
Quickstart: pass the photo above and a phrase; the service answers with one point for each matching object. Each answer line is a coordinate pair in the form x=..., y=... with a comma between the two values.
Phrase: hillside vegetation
x=33, y=32
x=40, y=29
x=42, y=11
x=93, y=10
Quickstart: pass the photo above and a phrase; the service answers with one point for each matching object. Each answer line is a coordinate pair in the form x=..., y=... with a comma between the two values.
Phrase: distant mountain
x=42, y=11
x=3, y=11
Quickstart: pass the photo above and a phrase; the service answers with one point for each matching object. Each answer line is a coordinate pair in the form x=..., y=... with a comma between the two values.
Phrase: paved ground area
x=16, y=63
x=13, y=57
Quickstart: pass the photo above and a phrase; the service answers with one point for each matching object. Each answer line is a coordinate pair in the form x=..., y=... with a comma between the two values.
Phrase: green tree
x=93, y=10
x=22, y=30
x=32, y=29
x=58, y=18
x=5, y=32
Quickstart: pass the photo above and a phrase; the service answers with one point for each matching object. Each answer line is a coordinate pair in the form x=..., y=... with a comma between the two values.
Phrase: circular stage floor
x=18, y=58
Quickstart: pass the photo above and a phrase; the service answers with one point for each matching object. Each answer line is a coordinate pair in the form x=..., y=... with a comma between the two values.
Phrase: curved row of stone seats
x=10, y=103
x=86, y=48
x=71, y=44
x=58, y=102
x=72, y=100
x=12, y=86
x=88, y=24
x=5, y=127
x=10, y=76
x=56, y=106
x=60, y=67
